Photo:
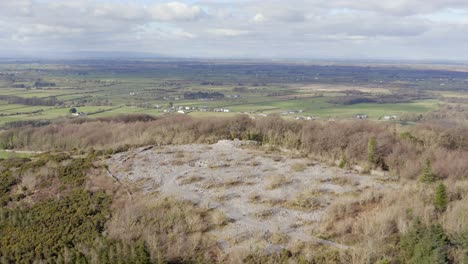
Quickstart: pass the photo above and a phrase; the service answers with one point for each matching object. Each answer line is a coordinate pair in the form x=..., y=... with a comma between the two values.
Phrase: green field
x=48, y=113
x=5, y=155
x=320, y=107
x=139, y=88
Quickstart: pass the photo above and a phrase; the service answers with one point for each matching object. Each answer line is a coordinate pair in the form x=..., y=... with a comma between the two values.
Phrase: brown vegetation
x=376, y=223
x=401, y=150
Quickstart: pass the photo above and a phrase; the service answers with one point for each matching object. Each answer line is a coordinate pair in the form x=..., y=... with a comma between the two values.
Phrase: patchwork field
x=46, y=91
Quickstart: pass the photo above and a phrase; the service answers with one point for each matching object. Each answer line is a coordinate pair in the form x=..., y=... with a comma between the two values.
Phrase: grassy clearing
x=5, y=154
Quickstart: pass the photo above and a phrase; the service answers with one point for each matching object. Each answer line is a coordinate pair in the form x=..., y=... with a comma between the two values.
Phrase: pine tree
x=440, y=199
x=142, y=254
x=371, y=150
x=424, y=244
x=426, y=174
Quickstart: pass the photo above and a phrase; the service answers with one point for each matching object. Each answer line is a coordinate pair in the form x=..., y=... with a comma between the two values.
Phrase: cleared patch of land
x=265, y=199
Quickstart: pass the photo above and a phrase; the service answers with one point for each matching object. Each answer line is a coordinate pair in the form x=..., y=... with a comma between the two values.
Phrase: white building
x=387, y=117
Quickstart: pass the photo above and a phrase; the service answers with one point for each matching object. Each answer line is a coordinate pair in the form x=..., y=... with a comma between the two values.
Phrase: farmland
x=48, y=90
x=232, y=162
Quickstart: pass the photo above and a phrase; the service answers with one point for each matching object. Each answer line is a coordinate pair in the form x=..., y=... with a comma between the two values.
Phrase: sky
x=274, y=29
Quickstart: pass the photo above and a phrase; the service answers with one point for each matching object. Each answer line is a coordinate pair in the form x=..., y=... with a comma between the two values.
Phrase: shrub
x=342, y=163
x=74, y=173
x=423, y=244
x=371, y=144
x=6, y=182
x=45, y=230
x=440, y=199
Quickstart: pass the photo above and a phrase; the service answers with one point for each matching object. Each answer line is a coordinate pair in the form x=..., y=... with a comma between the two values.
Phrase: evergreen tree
x=371, y=150
x=104, y=256
x=440, y=199
x=424, y=244
x=427, y=175
x=142, y=254
x=80, y=259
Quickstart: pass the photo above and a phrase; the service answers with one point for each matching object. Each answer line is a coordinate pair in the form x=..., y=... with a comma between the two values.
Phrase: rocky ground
x=266, y=199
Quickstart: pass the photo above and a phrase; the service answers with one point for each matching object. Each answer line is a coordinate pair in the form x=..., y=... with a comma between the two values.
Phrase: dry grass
x=257, y=199
x=277, y=158
x=254, y=198
x=179, y=154
x=455, y=219
x=225, y=197
x=29, y=180
x=219, y=218
x=242, y=237
x=191, y=179
x=173, y=228
x=373, y=221
x=298, y=167
x=255, y=163
x=225, y=183
x=216, y=165
x=264, y=214
x=342, y=181
x=305, y=201
x=279, y=238
x=276, y=181
x=177, y=162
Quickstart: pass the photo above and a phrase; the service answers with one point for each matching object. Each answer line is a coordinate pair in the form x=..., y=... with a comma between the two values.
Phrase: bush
x=45, y=230
x=74, y=173
x=371, y=144
x=423, y=244
x=361, y=142
x=6, y=182
x=440, y=199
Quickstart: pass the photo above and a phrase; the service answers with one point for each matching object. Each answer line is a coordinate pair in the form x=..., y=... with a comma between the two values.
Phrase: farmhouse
x=388, y=117
x=225, y=110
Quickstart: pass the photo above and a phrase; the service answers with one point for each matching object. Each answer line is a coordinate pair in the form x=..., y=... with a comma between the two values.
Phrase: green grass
x=48, y=113
x=5, y=155
x=211, y=114
x=147, y=84
x=129, y=110
x=320, y=107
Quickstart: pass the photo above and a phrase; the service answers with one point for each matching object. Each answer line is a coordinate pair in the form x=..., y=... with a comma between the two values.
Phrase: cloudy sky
x=309, y=29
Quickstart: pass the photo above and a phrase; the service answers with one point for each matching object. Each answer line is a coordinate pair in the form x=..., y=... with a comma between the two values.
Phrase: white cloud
x=228, y=32
x=176, y=11
x=259, y=17
x=16, y=7
x=248, y=28
x=119, y=11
